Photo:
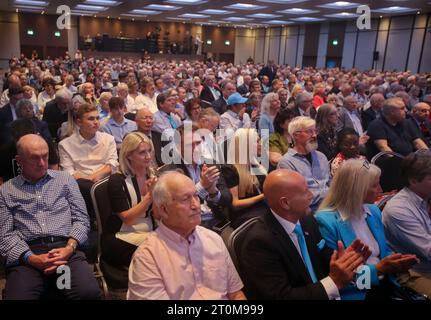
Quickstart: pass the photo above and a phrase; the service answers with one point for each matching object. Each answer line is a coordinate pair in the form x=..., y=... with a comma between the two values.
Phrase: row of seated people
x=288, y=253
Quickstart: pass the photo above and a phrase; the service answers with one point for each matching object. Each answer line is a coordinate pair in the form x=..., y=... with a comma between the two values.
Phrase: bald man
x=420, y=121
x=42, y=221
x=283, y=255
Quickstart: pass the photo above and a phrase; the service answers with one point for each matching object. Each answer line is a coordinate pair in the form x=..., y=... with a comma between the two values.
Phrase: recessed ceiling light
x=340, y=5
x=396, y=9
x=279, y=22
x=215, y=11
x=194, y=15
x=178, y=18
x=342, y=15
x=244, y=6
x=133, y=15
x=103, y=2
x=90, y=8
x=263, y=15
x=298, y=11
x=28, y=8
x=217, y=21
x=145, y=12
x=187, y=2
x=163, y=7
x=236, y=19
x=32, y=2
x=282, y=1
x=307, y=19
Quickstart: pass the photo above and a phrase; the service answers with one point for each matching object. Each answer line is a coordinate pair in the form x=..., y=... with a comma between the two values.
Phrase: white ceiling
x=254, y=13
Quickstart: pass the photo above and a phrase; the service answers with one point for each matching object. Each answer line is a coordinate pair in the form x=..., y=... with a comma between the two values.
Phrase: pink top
x=168, y=266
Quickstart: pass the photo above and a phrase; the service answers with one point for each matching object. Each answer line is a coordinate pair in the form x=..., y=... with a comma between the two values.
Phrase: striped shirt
x=51, y=207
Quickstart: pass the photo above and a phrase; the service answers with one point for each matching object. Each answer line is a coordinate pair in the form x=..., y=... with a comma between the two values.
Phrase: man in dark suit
x=144, y=121
x=210, y=92
x=227, y=89
x=269, y=70
x=212, y=190
x=55, y=112
x=245, y=87
x=374, y=111
x=283, y=255
x=304, y=105
x=420, y=121
x=8, y=112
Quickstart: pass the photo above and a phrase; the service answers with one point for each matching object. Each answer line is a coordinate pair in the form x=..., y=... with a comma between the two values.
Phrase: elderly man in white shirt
x=182, y=260
x=88, y=155
x=235, y=117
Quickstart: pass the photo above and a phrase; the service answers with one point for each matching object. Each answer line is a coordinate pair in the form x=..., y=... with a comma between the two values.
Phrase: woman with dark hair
x=326, y=119
x=347, y=148
x=47, y=94
x=280, y=141
x=193, y=109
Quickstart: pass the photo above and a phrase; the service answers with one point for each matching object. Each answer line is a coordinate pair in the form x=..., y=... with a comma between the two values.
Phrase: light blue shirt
x=53, y=206
x=161, y=121
x=408, y=227
x=266, y=122
x=316, y=174
x=118, y=131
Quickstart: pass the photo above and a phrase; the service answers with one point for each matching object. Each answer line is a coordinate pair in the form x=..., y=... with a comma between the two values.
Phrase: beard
x=311, y=146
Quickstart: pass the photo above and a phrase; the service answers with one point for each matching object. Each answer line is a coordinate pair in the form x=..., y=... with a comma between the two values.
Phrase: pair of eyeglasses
x=366, y=165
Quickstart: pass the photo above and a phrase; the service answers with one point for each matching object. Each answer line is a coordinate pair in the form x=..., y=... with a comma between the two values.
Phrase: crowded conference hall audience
x=191, y=152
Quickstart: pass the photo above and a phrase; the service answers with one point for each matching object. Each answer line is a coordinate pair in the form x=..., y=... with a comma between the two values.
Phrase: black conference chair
x=390, y=163
x=236, y=239
x=112, y=278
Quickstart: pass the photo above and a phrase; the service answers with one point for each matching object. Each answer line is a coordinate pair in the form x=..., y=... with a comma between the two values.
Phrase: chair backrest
x=390, y=163
x=102, y=207
x=236, y=238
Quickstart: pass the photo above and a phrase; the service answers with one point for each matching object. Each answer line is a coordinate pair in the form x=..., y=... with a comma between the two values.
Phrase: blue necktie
x=172, y=122
x=304, y=251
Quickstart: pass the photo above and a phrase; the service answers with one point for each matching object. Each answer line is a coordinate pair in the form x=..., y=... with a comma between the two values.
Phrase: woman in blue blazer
x=348, y=213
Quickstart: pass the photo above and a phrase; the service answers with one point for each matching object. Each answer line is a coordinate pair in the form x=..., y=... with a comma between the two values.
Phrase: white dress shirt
x=327, y=283
x=363, y=233
x=230, y=122
x=144, y=100
x=87, y=156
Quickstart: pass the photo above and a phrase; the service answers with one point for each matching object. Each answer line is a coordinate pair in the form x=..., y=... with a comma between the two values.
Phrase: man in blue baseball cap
x=235, y=117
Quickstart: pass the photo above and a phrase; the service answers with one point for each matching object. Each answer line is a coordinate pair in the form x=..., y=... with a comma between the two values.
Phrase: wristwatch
x=72, y=245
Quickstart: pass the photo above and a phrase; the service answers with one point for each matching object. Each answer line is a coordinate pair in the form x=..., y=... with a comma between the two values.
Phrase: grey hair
x=390, y=104
x=23, y=103
x=266, y=102
x=300, y=123
x=63, y=93
x=301, y=97
x=161, y=193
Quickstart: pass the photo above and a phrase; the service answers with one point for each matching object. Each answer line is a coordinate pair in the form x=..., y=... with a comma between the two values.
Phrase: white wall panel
x=348, y=50
x=274, y=38
x=323, y=45
x=364, y=50
x=397, y=50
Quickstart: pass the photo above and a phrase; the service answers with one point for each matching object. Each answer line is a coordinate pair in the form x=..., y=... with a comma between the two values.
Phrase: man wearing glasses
x=306, y=160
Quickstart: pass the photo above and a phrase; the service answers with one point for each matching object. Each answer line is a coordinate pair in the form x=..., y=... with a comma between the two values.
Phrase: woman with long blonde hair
x=348, y=213
x=244, y=176
x=130, y=194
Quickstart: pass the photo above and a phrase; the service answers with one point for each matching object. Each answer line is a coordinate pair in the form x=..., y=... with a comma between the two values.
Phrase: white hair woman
x=348, y=213
x=245, y=177
x=130, y=194
x=270, y=107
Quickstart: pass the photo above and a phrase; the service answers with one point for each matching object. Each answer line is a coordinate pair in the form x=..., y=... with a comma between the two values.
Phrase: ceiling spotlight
x=381, y=17
x=418, y=12
x=133, y=19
